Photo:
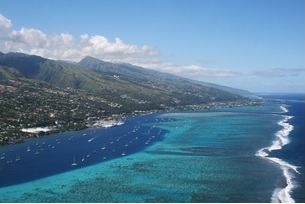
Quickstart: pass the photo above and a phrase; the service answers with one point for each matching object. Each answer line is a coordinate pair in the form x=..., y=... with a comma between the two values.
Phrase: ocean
x=240, y=154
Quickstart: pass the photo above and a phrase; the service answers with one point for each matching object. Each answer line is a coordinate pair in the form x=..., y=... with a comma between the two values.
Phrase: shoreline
x=136, y=113
x=75, y=186
x=281, y=194
x=132, y=168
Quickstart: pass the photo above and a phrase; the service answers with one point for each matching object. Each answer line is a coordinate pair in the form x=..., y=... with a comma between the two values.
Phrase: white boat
x=103, y=148
x=91, y=139
x=74, y=163
x=123, y=154
x=18, y=158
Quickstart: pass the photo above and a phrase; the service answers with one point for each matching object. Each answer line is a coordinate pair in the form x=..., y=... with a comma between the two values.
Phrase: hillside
x=37, y=92
x=147, y=77
x=116, y=81
x=151, y=75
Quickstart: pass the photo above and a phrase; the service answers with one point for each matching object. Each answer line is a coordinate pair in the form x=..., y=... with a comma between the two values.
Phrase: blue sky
x=256, y=45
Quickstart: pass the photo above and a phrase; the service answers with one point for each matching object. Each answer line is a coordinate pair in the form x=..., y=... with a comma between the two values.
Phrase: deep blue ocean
x=293, y=152
x=241, y=154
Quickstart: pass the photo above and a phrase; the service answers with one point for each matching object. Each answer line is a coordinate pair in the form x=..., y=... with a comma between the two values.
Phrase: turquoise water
x=205, y=156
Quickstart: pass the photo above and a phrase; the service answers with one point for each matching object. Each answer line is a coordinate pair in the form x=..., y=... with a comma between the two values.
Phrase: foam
x=284, y=109
x=262, y=153
x=281, y=194
x=282, y=135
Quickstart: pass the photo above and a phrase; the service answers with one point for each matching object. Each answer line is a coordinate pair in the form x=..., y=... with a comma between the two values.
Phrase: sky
x=257, y=45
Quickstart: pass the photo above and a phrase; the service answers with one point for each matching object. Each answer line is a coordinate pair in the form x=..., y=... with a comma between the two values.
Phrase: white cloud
x=190, y=71
x=25, y=38
x=65, y=46
x=84, y=37
x=67, y=39
x=5, y=23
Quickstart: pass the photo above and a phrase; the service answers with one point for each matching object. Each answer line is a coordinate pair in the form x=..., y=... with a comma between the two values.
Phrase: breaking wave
x=281, y=194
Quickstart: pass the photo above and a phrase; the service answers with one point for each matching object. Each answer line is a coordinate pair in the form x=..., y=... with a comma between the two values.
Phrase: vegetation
x=37, y=92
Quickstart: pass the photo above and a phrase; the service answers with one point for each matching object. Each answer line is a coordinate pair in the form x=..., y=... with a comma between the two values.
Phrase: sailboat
x=91, y=139
x=37, y=152
x=18, y=158
x=74, y=163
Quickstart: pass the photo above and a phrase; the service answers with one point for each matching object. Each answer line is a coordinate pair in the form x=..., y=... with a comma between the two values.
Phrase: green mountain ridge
x=154, y=79
x=226, y=88
x=38, y=92
x=114, y=80
x=142, y=73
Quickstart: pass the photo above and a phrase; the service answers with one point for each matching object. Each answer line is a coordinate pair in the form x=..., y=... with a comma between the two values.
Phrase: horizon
x=251, y=45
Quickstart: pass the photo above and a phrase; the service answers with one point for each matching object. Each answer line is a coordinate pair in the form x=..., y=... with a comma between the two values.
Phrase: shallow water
x=206, y=156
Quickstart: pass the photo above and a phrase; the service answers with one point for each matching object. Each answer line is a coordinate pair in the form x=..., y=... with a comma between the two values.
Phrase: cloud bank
x=279, y=72
x=4, y=23
x=65, y=46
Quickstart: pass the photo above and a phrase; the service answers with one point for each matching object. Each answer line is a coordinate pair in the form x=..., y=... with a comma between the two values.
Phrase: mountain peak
x=92, y=59
x=92, y=62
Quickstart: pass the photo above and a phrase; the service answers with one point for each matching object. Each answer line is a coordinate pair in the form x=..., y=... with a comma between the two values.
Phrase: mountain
x=152, y=76
x=156, y=79
x=39, y=92
x=226, y=88
x=147, y=74
x=117, y=82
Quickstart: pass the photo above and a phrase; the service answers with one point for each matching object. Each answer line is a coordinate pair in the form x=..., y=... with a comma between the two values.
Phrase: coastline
x=178, y=169
x=178, y=146
x=281, y=194
x=50, y=130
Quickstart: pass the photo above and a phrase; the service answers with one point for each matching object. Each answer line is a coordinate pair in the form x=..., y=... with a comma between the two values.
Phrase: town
x=32, y=110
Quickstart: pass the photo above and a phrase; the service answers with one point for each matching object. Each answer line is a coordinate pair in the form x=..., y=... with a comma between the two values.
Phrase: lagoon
x=199, y=156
